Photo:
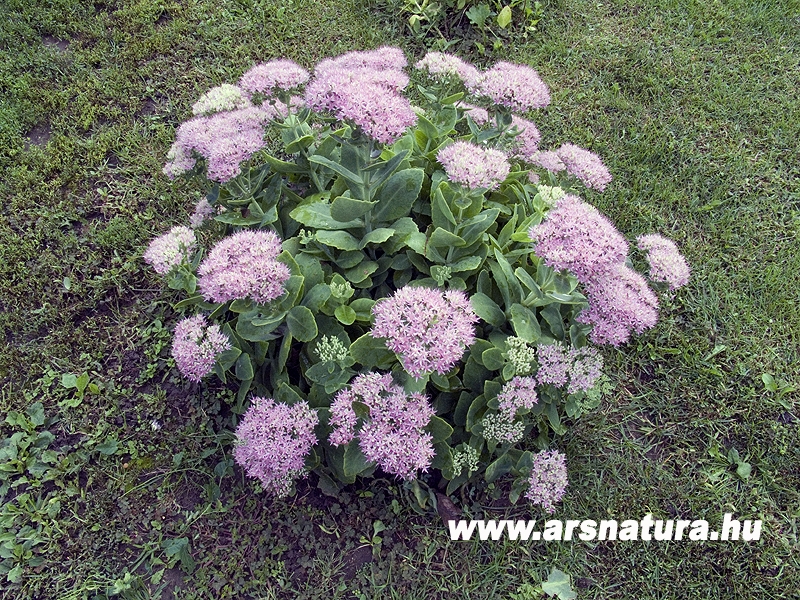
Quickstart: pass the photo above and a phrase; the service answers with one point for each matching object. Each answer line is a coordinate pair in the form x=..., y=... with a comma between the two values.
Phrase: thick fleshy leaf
x=302, y=324
x=337, y=239
x=397, y=195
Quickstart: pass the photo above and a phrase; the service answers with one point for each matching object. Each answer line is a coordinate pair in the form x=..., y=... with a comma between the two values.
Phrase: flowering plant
x=419, y=283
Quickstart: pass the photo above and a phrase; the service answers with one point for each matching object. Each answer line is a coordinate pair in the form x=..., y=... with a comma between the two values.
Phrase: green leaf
x=439, y=429
x=299, y=144
x=15, y=574
x=444, y=239
x=35, y=413
x=487, y=309
x=397, y=195
x=769, y=382
x=452, y=99
x=441, y=214
x=345, y=314
x=281, y=166
x=376, y=236
x=477, y=14
x=354, y=460
x=478, y=404
x=252, y=327
x=384, y=170
x=504, y=18
x=108, y=447
x=302, y=324
x=363, y=308
x=346, y=209
x=82, y=381
x=557, y=584
x=467, y=264
x=317, y=296
x=318, y=216
x=244, y=368
x=552, y=317
x=502, y=466
x=188, y=302
x=744, y=469
x=337, y=239
x=69, y=381
x=361, y=271
x=472, y=229
x=371, y=352
x=525, y=324
x=234, y=218
x=328, y=486
x=554, y=418
x=337, y=168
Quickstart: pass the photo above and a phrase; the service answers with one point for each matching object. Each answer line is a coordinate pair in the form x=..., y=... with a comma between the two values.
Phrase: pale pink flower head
x=619, y=302
x=273, y=440
x=428, y=329
x=392, y=434
x=585, y=165
x=196, y=346
x=202, y=211
x=549, y=161
x=517, y=394
x=442, y=64
x=224, y=139
x=517, y=87
x=244, y=265
x=577, y=237
x=221, y=98
x=170, y=250
x=381, y=59
x=364, y=89
x=577, y=369
x=276, y=75
x=473, y=166
x=547, y=482
x=526, y=143
x=666, y=262
x=476, y=113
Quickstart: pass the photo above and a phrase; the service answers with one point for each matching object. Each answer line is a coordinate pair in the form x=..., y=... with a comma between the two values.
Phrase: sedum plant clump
x=411, y=285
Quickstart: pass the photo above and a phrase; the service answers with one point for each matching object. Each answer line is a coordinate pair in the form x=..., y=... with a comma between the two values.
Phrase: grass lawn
x=694, y=107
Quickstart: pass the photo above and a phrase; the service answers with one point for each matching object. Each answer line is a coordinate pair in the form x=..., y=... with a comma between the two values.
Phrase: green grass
x=693, y=106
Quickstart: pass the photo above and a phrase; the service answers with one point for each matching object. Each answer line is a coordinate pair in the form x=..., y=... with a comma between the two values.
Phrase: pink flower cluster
x=443, y=64
x=666, y=262
x=518, y=393
x=202, y=211
x=575, y=236
x=549, y=161
x=196, y=346
x=585, y=165
x=170, y=250
x=526, y=144
x=268, y=77
x=273, y=442
x=363, y=88
x=476, y=113
x=473, y=166
x=244, y=265
x=427, y=328
x=559, y=365
x=547, y=482
x=517, y=87
x=619, y=302
x=392, y=435
x=224, y=139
